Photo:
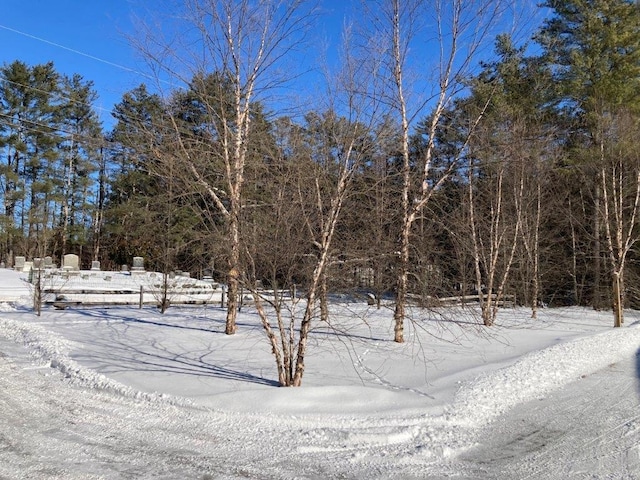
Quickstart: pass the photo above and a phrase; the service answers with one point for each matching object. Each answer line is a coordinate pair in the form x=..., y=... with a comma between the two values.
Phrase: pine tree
x=594, y=46
x=128, y=218
x=80, y=159
x=30, y=103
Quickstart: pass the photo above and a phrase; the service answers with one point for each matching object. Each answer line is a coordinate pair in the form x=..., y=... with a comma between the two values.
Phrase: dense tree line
x=51, y=150
x=523, y=179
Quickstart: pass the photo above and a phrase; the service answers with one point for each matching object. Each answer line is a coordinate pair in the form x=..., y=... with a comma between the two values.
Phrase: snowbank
x=47, y=347
x=535, y=375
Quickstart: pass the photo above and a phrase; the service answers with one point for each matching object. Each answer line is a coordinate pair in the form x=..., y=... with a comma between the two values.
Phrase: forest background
x=442, y=154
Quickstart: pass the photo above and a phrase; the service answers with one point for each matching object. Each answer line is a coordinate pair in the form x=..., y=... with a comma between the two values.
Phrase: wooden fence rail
x=64, y=298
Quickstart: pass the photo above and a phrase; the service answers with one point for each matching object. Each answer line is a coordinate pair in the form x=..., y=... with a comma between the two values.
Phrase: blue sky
x=77, y=28
x=88, y=37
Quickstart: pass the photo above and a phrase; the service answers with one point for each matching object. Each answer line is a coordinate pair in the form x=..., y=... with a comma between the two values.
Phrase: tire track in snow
x=589, y=429
x=481, y=401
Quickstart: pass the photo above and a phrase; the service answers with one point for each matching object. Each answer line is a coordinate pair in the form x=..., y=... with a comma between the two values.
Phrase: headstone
x=38, y=263
x=95, y=265
x=48, y=262
x=2, y=265
x=124, y=268
x=138, y=264
x=18, y=264
x=71, y=262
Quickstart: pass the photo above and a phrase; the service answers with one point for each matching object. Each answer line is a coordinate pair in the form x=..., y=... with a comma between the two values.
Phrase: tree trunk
x=618, y=312
x=597, y=261
x=98, y=218
x=402, y=277
x=324, y=302
x=233, y=280
x=536, y=256
x=407, y=219
x=305, y=327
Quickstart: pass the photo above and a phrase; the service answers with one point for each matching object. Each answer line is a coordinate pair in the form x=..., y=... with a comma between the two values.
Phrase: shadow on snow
x=127, y=351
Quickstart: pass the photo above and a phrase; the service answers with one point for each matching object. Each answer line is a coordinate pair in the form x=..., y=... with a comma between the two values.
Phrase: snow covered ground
x=128, y=393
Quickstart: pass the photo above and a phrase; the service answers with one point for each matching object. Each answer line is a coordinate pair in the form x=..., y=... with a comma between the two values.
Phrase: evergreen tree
x=129, y=226
x=80, y=158
x=30, y=103
x=594, y=47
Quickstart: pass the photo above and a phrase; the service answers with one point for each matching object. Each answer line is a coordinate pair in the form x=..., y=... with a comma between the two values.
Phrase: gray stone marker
x=71, y=262
x=18, y=264
x=95, y=265
x=138, y=264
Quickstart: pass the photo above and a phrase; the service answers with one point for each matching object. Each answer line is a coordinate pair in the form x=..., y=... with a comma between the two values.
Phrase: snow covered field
x=128, y=393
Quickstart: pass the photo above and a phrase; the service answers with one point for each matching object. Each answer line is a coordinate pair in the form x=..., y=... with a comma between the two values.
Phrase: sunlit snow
x=128, y=392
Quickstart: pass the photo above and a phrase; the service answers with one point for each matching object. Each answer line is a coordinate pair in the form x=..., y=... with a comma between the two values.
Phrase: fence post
x=141, y=296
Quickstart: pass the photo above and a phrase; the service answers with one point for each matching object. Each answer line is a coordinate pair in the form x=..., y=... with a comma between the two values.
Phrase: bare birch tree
x=495, y=229
x=620, y=177
x=244, y=43
x=327, y=163
x=321, y=189
x=501, y=180
x=459, y=28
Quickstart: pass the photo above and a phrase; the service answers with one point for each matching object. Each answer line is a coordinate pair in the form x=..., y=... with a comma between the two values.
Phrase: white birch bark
x=453, y=28
x=243, y=41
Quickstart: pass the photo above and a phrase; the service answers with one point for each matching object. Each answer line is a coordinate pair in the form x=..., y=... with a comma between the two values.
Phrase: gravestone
x=38, y=263
x=124, y=268
x=48, y=262
x=18, y=264
x=95, y=265
x=138, y=264
x=71, y=262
